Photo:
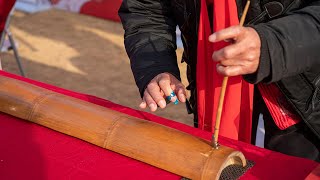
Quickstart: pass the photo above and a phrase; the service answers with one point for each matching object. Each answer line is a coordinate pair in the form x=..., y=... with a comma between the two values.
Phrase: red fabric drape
x=30, y=151
x=105, y=9
x=5, y=8
x=236, y=115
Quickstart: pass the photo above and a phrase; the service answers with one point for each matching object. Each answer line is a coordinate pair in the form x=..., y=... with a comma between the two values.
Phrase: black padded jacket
x=290, y=51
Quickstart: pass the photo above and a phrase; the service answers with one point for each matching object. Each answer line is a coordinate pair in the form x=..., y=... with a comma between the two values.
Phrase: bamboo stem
x=146, y=141
x=223, y=89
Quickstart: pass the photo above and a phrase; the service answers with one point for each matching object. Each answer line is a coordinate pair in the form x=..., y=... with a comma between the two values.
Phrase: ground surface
x=80, y=53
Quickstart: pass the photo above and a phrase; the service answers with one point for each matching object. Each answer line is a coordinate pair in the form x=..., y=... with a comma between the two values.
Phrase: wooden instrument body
x=155, y=144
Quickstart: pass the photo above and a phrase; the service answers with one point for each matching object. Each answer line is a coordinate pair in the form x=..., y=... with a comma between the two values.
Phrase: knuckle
x=156, y=78
x=149, y=100
x=226, y=53
x=180, y=86
x=226, y=72
x=237, y=30
x=163, y=82
x=151, y=85
x=160, y=76
x=165, y=75
x=251, y=57
x=221, y=70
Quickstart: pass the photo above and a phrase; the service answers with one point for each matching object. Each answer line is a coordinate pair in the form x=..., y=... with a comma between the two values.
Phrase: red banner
x=237, y=110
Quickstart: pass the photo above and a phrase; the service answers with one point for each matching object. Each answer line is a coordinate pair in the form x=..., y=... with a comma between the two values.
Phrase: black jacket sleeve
x=150, y=39
x=290, y=45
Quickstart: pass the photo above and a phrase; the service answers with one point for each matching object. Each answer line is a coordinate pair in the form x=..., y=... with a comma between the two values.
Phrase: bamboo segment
x=154, y=144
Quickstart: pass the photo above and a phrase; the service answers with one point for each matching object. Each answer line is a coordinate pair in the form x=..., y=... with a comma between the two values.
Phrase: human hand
x=161, y=87
x=242, y=56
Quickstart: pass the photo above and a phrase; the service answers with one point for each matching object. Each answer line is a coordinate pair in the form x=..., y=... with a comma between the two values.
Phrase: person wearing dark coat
x=280, y=44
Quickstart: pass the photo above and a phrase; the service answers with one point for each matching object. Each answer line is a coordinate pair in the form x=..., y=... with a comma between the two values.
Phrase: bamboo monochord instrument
x=157, y=145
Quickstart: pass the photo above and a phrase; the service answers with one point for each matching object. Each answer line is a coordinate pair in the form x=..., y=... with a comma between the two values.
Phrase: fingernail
x=182, y=98
x=212, y=38
x=176, y=102
x=152, y=106
x=142, y=104
x=162, y=104
x=214, y=56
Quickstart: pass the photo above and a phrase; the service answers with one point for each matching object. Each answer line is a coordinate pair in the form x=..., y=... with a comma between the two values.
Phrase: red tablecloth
x=29, y=151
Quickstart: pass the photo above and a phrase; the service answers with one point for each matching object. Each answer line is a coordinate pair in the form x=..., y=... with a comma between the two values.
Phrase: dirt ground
x=80, y=53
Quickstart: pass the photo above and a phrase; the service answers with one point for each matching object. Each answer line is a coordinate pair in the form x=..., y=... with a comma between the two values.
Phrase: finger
x=230, y=70
x=228, y=52
x=165, y=85
x=150, y=102
x=232, y=62
x=143, y=104
x=181, y=93
x=155, y=92
x=229, y=33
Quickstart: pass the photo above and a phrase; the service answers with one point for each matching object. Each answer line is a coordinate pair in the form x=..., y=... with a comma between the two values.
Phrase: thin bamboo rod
x=223, y=90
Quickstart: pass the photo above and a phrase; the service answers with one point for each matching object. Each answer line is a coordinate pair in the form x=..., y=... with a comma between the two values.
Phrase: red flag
x=237, y=110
